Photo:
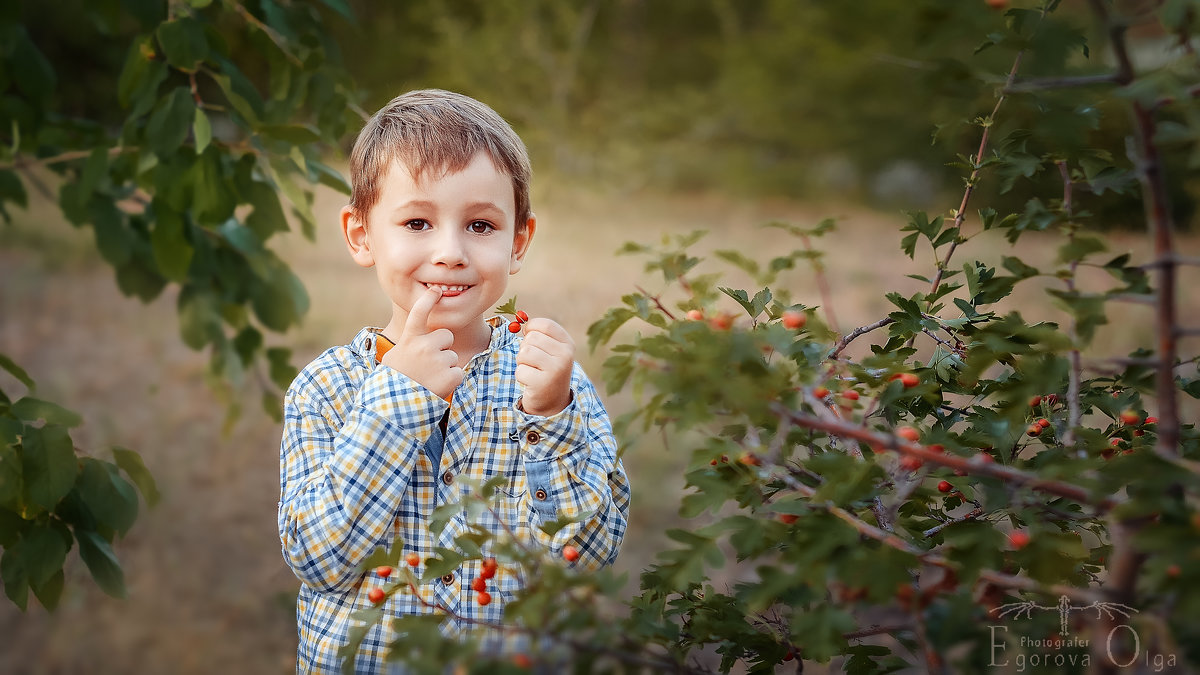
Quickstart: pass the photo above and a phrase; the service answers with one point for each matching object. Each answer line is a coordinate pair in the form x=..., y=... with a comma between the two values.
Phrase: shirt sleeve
x=344, y=470
x=572, y=472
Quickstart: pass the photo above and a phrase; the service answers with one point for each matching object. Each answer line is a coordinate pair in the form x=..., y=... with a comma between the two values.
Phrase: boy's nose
x=449, y=249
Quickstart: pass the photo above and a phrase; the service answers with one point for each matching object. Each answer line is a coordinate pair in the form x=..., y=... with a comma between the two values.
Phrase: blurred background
x=643, y=118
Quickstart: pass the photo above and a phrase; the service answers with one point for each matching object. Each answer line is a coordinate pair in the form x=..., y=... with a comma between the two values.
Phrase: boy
x=379, y=432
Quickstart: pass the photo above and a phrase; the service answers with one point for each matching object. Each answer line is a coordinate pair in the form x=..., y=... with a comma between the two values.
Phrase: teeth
x=446, y=288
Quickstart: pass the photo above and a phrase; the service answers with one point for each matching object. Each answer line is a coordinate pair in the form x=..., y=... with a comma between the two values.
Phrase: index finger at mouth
x=418, y=316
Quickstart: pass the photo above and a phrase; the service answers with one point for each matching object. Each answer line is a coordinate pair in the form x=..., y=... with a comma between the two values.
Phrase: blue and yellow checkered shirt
x=354, y=476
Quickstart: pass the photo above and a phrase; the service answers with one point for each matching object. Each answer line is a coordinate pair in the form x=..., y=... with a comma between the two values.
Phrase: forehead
x=479, y=178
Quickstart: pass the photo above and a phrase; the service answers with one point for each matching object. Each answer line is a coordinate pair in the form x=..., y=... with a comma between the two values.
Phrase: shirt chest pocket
x=499, y=459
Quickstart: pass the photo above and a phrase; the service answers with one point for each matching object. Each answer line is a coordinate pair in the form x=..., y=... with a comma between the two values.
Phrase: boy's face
x=455, y=230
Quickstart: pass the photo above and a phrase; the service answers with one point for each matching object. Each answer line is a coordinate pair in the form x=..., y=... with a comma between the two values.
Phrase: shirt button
x=448, y=478
x=532, y=437
x=540, y=494
x=448, y=579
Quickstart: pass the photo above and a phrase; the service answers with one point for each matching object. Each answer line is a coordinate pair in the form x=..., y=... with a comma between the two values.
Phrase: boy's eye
x=416, y=224
x=480, y=227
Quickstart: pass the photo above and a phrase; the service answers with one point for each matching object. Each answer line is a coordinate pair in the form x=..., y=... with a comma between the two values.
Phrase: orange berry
x=820, y=392
x=514, y=327
x=375, y=595
x=945, y=486
x=522, y=316
x=1174, y=571
x=1034, y=429
x=570, y=553
x=1151, y=420
x=1018, y=539
x=483, y=598
x=850, y=395
x=721, y=322
x=479, y=585
x=997, y=4
x=909, y=380
x=788, y=518
x=384, y=571
x=1035, y=401
x=488, y=568
x=1130, y=417
x=522, y=661
x=413, y=559
x=1044, y=423
x=908, y=434
x=695, y=315
x=794, y=320
x=910, y=463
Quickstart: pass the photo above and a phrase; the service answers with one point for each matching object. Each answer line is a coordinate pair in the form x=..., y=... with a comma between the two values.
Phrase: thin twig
x=975, y=513
x=857, y=332
x=657, y=303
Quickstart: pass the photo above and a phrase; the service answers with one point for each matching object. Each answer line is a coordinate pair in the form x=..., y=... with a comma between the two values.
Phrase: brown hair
x=435, y=130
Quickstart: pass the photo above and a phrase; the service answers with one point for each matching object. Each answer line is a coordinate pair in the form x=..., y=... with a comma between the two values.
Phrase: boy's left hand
x=544, y=366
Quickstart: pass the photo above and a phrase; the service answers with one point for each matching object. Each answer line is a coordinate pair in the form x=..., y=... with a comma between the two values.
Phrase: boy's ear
x=355, y=232
x=521, y=241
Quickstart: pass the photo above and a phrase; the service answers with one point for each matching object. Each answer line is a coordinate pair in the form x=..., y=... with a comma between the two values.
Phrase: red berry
x=788, y=518
x=695, y=315
x=945, y=486
x=910, y=463
x=713, y=462
x=724, y=459
x=1051, y=400
x=479, y=584
x=1044, y=423
x=483, y=597
x=489, y=567
x=997, y=4
x=522, y=661
x=1130, y=417
x=850, y=395
x=570, y=553
x=413, y=559
x=909, y=380
x=384, y=571
x=1174, y=571
x=514, y=327
x=1018, y=539
x=1151, y=420
x=820, y=392
x=750, y=459
x=375, y=595
x=1035, y=401
x=789, y=656
x=936, y=447
x=908, y=434
x=1034, y=429
x=721, y=322
x=522, y=316
x=794, y=320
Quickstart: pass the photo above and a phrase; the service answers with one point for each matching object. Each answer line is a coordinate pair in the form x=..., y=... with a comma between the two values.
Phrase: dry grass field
x=208, y=590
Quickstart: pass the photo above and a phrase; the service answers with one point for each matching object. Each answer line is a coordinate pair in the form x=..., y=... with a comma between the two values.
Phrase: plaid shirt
x=354, y=475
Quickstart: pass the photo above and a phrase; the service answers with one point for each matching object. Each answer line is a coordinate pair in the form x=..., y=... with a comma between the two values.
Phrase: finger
x=549, y=345
x=527, y=376
x=450, y=358
x=418, y=317
x=533, y=355
x=440, y=339
x=550, y=328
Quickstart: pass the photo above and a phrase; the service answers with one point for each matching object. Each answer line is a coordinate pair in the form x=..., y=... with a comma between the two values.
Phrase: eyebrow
x=473, y=206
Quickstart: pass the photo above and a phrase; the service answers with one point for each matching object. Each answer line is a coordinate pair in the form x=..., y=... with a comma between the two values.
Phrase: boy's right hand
x=425, y=355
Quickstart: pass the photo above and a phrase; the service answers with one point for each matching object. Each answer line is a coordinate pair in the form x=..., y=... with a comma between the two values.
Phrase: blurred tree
x=171, y=129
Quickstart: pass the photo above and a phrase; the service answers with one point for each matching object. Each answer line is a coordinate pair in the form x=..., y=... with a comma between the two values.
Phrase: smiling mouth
x=447, y=290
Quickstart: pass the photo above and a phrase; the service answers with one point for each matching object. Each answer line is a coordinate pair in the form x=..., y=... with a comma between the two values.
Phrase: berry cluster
x=515, y=326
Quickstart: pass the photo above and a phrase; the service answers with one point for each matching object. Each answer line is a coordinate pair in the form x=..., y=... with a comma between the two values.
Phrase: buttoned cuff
x=547, y=438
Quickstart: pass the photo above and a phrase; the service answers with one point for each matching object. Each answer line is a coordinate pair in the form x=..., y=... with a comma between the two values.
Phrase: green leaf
x=183, y=42
x=16, y=580
x=141, y=74
x=48, y=463
x=168, y=240
x=199, y=318
x=31, y=409
x=98, y=555
x=50, y=592
x=43, y=551
x=201, y=131
x=282, y=372
x=16, y=371
x=329, y=177
x=267, y=217
x=29, y=69
x=291, y=134
x=1080, y=247
x=10, y=477
x=131, y=463
x=110, y=497
x=170, y=122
